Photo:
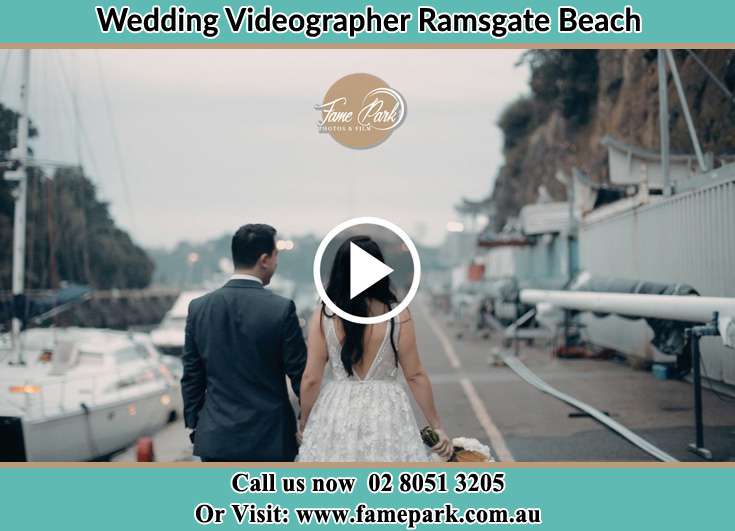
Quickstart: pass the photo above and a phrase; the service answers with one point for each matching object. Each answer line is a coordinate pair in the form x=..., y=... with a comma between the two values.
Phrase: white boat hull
x=103, y=430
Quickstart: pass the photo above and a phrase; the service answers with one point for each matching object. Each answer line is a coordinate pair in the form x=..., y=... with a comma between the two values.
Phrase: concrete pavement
x=519, y=422
x=537, y=427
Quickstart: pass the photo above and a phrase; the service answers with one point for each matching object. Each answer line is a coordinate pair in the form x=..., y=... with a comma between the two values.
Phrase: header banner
x=380, y=22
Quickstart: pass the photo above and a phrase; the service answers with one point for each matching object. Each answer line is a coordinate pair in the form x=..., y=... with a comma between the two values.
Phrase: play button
x=389, y=253
x=364, y=270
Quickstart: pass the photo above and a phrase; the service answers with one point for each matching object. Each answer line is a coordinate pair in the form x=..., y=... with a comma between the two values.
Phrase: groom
x=241, y=342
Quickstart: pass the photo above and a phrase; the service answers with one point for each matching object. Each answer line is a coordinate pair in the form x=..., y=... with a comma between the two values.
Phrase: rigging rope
x=77, y=117
x=115, y=141
x=4, y=71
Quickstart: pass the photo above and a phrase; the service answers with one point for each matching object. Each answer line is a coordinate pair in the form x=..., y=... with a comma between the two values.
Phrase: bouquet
x=466, y=450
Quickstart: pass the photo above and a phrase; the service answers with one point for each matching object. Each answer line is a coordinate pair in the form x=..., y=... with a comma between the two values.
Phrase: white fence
x=688, y=238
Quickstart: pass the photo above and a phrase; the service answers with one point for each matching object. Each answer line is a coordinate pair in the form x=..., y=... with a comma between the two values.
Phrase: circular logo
x=360, y=111
x=401, y=234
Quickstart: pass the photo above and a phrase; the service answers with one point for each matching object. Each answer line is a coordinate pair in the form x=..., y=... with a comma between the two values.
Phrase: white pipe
x=672, y=307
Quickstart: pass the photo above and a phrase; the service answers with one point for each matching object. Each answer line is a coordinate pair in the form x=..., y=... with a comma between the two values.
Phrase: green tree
x=566, y=80
x=71, y=235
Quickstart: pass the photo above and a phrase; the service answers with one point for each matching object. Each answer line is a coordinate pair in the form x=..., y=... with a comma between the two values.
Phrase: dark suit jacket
x=241, y=342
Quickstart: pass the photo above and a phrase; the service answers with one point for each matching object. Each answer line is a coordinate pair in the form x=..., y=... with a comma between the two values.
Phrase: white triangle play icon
x=364, y=270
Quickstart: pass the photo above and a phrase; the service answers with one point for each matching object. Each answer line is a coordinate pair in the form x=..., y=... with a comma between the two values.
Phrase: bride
x=363, y=412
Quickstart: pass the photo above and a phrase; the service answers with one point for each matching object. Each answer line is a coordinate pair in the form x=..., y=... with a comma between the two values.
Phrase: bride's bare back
x=372, y=341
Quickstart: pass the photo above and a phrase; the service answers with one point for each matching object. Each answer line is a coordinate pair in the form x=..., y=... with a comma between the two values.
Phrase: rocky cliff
x=579, y=96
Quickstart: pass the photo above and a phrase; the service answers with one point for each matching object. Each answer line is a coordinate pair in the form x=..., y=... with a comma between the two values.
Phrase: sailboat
x=73, y=394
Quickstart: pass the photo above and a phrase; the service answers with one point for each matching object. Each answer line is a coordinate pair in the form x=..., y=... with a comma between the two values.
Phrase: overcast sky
x=211, y=139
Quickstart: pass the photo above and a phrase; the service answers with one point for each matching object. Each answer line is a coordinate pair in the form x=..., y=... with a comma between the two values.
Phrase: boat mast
x=19, y=225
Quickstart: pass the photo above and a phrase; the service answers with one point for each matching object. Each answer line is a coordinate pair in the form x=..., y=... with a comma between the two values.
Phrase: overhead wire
x=712, y=75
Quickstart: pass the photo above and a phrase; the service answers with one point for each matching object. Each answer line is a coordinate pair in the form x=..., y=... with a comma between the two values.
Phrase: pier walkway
x=491, y=403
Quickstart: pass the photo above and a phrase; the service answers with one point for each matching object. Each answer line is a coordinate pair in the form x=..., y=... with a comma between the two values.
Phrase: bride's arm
x=418, y=381
x=316, y=359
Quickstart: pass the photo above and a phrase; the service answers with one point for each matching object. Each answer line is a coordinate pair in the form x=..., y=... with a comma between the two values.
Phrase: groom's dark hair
x=250, y=242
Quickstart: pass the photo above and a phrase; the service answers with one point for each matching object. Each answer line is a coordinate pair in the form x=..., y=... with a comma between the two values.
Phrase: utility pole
x=703, y=165
x=663, y=120
x=571, y=236
x=19, y=224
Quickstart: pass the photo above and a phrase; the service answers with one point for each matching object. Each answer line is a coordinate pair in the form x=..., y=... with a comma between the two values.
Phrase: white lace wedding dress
x=362, y=419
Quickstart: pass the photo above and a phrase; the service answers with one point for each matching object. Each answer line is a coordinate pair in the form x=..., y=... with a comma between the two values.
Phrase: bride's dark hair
x=338, y=289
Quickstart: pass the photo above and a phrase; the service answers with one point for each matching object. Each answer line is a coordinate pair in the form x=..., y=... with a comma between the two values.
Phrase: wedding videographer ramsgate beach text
x=313, y=25
x=381, y=482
